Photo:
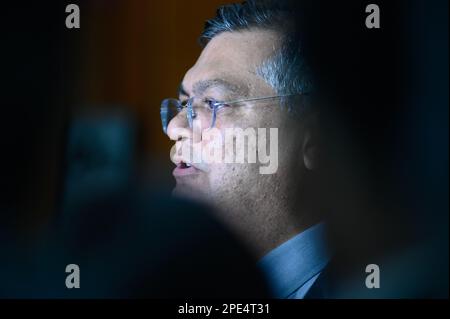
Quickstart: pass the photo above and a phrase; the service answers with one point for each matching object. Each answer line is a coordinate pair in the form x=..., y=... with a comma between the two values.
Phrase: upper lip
x=199, y=166
x=177, y=159
x=187, y=164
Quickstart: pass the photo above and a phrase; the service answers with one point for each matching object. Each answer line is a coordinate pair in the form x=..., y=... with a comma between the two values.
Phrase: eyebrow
x=204, y=85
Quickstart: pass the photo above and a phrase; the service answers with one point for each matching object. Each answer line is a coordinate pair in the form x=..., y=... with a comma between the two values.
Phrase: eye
x=210, y=103
x=213, y=104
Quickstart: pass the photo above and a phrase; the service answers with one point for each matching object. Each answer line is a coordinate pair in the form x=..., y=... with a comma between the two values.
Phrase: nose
x=178, y=128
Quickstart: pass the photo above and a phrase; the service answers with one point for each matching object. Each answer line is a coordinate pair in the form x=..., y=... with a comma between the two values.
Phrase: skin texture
x=264, y=210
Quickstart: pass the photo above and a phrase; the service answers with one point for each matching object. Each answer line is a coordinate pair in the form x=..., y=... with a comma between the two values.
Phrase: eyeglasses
x=208, y=108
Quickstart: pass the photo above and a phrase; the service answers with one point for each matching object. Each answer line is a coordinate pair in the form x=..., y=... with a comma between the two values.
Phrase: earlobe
x=309, y=152
x=310, y=148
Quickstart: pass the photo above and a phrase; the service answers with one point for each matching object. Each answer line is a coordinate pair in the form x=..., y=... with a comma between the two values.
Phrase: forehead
x=230, y=61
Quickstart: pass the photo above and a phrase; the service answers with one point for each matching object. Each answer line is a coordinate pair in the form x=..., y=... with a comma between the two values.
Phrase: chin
x=189, y=192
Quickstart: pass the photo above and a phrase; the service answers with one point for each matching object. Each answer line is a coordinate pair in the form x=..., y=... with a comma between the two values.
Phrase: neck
x=265, y=227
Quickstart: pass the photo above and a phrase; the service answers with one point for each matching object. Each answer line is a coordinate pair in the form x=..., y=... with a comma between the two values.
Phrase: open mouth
x=184, y=165
x=184, y=169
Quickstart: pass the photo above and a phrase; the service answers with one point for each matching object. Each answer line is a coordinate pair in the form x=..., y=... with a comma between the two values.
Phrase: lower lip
x=178, y=171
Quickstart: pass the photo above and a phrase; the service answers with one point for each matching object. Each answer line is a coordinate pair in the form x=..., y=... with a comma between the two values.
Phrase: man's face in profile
x=227, y=71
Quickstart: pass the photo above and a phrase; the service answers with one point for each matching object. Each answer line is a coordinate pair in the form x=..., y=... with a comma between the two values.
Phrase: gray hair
x=285, y=71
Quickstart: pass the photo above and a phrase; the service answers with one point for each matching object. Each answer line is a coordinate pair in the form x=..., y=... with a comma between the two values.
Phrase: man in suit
x=251, y=75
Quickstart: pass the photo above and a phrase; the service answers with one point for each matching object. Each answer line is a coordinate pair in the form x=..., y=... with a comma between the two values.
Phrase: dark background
x=75, y=101
x=126, y=57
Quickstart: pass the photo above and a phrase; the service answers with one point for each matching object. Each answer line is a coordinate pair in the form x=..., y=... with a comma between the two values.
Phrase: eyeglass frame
x=214, y=106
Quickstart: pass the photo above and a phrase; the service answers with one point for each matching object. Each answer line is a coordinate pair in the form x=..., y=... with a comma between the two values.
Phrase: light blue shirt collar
x=291, y=268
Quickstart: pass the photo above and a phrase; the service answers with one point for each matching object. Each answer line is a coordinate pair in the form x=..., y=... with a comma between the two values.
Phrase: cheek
x=233, y=180
x=238, y=117
x=228, y=177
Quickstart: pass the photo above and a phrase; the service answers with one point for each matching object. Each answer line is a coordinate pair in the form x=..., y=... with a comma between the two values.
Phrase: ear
x=310, y=147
